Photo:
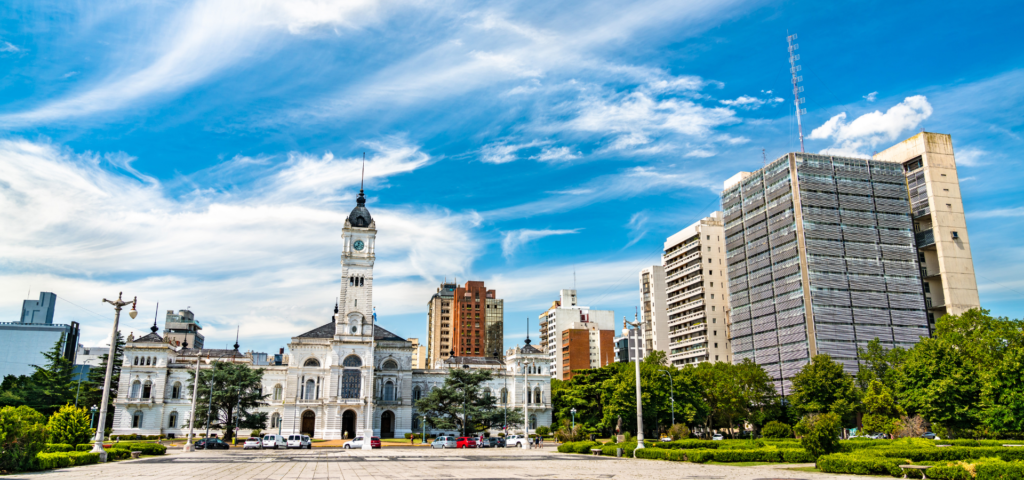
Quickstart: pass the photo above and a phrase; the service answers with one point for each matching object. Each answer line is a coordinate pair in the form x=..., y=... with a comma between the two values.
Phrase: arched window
x=416, y=393
x=353, y=361
x=277, y=392
x=350, y=380
x=136, y=389
x=536, y=395
x=390, y=365
x=310, y=390
x=389, y=391
x=176, y=390
x=533, y=421
x=311, y=363
x=487, y=392
x=137, y=419
x=504, y=395
x=173, y=421
x=275, y=420
x=147, y=389
x=149, y=360
x=135, y=361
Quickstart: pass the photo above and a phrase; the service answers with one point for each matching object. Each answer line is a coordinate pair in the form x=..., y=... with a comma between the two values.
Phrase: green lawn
x=746, y=464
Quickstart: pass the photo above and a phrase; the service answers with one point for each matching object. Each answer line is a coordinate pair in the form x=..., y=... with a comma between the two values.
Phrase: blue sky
x=204, y=153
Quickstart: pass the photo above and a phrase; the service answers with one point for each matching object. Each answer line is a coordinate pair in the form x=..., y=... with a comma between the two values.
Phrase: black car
x=212, y=444
x=494, y=442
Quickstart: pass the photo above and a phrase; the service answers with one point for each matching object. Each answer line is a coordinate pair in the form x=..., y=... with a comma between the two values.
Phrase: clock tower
x=354, y=320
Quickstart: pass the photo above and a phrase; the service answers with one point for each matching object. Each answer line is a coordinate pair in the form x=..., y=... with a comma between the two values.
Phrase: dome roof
x=360, y=216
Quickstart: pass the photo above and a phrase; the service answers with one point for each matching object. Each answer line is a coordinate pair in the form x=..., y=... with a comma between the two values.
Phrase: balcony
x=686, y=318
x=688, y=330
x=684, y=272
x=684, y=284
x=680, y=296
x=686, y=306
x=688, y=246
x=680, y=261
x=381, y=401
x=925, y=238
x=689, y=341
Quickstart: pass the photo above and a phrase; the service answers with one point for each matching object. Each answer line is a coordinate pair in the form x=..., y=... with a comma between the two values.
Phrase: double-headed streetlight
x=639, y=403
x=97, y=446
x=92, y=414
x=573, y=412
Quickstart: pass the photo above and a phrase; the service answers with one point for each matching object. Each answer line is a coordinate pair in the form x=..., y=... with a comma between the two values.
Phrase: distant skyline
x=205, y=153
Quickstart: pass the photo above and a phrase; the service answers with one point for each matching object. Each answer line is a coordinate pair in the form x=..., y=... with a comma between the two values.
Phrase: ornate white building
x=335, y=377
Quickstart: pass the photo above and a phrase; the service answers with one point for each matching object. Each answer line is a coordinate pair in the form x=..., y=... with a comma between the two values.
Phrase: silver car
x=443, y=442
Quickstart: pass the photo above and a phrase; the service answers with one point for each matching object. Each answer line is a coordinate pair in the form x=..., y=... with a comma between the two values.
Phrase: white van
x=299, y=441
x=274, y=441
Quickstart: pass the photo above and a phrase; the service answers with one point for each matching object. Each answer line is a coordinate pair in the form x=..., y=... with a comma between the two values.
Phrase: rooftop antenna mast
x=797, y=89
x=362, y=175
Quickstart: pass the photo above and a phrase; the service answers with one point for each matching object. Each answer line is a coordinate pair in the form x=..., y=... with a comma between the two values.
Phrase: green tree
x=461, y=397
x=22, y=436
x=719, y=387
x=13, y=390
x=823, y=387
x=69, y=425
x=92, y=387
x=236, y=389
x=881, y=413
x=879, y=363
x=656, y=392
x=1003, y=394
x=819, y=433
x=584, y=392
x=758, y=399
x=51, y=385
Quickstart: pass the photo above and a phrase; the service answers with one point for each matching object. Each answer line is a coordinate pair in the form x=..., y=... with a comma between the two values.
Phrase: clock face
x=358, y=245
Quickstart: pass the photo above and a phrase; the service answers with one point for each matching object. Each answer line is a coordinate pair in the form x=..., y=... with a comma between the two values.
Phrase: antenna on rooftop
x=363, y=174
x=764, y=159
x=797, y=89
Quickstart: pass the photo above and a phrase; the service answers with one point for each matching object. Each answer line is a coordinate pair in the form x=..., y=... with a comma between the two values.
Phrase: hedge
x=577, y=447
x=689, y=444
x=115, y=438
x=145, y=448
x=860, y=464
x=770, y=455
x=951, y=472
x=998, y=470
x=47, y=461
x=948, y=454
x=57, y=447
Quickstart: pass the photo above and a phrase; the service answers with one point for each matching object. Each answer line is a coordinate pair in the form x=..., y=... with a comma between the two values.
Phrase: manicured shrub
x=999, y=470
x=775, y=429
x=951, y=472
x=543, y=431
x=145, y=448
x=22, y=438
x=47, y=461
x=820, y=433
x=679, y=432
x=860, y=464
x=69, y=425
x=689, y=444
x=57, y=447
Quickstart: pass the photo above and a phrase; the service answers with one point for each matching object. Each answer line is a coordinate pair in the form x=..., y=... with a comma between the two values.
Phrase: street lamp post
x=98, y=440
x=573, y=412
x=423, y=436
x=209, y=409
x=639, y=403
x=92, y=414
x=526, y=404
x=189, y=447
x=671, y=395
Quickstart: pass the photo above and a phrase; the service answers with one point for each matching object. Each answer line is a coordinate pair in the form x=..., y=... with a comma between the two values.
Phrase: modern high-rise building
x=625, y=345
x=23, y=343
x=419, y=353
x=944, y=249
x=566, y=328
x=653, y=309
x=689, y=299
x=821, y=258
x=182, y=328
x=466, y=321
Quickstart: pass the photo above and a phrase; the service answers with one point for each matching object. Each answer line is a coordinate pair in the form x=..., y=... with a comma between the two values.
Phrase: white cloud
x=8, y=47
x=557, y=154
x=197, y=42
x=971, y=157
x=262, y=253
x=874, y=128
x=637, y=228
x=998, y=213
x=871, y=96
x=747, y=102
x=502, y=152
x=514, y=240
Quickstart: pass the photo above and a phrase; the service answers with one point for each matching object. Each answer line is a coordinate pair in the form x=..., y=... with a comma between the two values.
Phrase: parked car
x=358, y=442
x=274, y=441
x=253, y=442
x=515, y=441
x=212, y=444
x=718, y=436
x=465, y=442
x=299, y=441
x=494, y=442
x=665, y=439
x=444, y=442
x=930, y=436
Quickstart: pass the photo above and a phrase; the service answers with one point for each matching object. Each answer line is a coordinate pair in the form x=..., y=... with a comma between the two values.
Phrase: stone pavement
x=412, y=463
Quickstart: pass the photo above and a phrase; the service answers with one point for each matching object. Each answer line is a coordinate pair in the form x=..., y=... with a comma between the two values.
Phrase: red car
x=374, y=442
x=465, y=442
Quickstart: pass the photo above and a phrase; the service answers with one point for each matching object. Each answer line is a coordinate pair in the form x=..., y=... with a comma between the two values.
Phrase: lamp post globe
x=573, y=412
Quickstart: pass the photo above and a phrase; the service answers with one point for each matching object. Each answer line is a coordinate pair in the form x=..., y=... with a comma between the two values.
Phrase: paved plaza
x=414, y=463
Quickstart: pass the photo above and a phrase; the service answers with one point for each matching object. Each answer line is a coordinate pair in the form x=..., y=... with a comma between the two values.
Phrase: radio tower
x=797, y=89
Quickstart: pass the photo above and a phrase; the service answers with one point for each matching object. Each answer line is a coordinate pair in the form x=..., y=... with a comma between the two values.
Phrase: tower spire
x=237, y=329
x=527, y=330
x=363, y=174
x=154, y=328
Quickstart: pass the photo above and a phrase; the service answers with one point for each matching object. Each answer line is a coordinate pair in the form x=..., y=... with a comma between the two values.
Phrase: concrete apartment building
x=576, y=337
x=684, y=301
x=419, y=354
x=182, y=329
x=467, y=321
x=944, y=249
x=821, y=258
x=625, y=344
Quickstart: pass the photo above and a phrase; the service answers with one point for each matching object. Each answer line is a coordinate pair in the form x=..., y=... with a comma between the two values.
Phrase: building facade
x=39, y=312
x=625, y=344
x=338, y=380
x=419, y=354
x=940, y=227
x=653, y=309
x=465, y=321
x=821, y=259
x=440, y=340
x=565, y=315
x=182, y=329
x=23, y=343
x=696, y=291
